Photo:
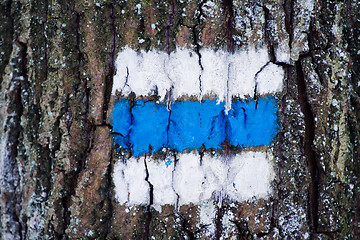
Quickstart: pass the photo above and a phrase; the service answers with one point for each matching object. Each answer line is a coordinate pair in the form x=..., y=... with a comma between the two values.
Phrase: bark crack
x=108, y=87
x=218, y=220
x=256, y=98
x=132, y=105
x=110, y=76
x=126, y=80
x=169, y=25
x=172, y=183
x=289, y=13
x=244, y=231
x=72, y=177
x=148, y=214
x=267, y=34
x=308, y=148
x=196, y=40
x=280, y=149
x=185, y=228
x=7, y=36
x=169, y=122
x=10, y=176
x=228, y=94
x=229, y=23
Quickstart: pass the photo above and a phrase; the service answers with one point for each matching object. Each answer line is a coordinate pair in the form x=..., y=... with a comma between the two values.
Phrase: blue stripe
x=192, y=124
x=250, y=126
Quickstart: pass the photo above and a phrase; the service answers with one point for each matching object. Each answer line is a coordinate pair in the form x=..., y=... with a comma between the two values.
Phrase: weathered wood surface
x=56, y=157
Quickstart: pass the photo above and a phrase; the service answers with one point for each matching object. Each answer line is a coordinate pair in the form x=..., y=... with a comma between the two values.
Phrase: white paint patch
x=184, y=70
x=188, y=179
x=141, y=73
x=245, y=66
x=215, y=175
x=242, y=177
x=130, y=184
x=270, y=79
x=160, y=176
x=223, y=74
x=215, y=67
x=251, y=174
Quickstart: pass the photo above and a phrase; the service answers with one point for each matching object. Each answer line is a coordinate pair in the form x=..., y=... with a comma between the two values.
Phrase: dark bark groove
x=308, y=149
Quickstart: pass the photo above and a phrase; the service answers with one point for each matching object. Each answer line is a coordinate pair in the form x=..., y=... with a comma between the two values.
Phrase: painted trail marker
x=190, y=125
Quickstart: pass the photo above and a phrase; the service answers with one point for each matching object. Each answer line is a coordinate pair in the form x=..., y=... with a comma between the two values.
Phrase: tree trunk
x=57, y=156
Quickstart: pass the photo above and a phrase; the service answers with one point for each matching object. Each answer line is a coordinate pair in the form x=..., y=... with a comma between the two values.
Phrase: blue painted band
x=193, y=124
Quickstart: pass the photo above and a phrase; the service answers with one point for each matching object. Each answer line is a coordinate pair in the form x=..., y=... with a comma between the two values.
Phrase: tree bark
x=57, y=63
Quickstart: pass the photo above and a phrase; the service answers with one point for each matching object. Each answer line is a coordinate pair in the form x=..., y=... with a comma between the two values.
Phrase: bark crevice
x=11, y=195
x=148, y=213
x=309, y=152
x=218, y=219
x=110, y=76
x=185, y=228
x=228, y=6
x=72, y=177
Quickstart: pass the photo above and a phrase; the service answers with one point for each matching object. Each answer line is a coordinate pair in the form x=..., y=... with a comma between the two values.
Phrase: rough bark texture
x=56, y=153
